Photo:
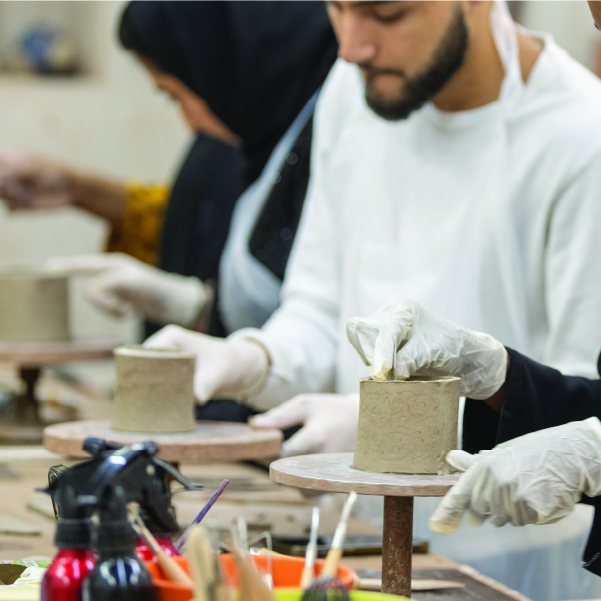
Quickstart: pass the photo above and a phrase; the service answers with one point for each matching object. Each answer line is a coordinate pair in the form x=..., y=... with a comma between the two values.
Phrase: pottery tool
x=328, y=587
x=205, y=566
x=252, y=586
x=182, y=539
x=330, y=569
x=309, y=567
x=267, y=551
x=168, y=565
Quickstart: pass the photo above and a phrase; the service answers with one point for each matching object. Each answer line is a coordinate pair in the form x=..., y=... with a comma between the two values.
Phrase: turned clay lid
x=136, y=350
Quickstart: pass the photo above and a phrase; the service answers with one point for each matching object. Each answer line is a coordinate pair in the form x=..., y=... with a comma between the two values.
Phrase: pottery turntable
x=35, y=332
x=155, y=399
x=405, y=430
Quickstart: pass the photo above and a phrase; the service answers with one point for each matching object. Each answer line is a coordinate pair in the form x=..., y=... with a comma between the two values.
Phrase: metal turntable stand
x=20, y=419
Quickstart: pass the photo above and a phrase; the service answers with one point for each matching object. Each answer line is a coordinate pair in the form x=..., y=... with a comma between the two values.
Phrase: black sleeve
x=537, y=397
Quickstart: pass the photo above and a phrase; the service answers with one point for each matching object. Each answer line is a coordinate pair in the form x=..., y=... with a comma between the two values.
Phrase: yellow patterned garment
x=140, y=235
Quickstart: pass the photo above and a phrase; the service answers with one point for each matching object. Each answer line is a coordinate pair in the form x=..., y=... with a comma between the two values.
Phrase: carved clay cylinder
x=34, y=306
x=407, y=426
x=154, y=391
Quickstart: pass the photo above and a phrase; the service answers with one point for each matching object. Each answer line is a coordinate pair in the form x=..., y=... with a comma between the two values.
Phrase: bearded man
x=457, y=162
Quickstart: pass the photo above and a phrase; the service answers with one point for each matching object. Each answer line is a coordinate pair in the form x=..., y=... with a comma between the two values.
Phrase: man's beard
x=417, y=90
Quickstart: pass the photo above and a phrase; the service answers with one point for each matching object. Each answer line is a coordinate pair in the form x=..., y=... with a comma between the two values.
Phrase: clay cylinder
x=34, y=306
x=154, y=392
x=407, y=426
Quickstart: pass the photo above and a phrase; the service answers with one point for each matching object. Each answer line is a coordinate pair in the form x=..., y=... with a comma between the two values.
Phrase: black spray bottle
x=130, y=474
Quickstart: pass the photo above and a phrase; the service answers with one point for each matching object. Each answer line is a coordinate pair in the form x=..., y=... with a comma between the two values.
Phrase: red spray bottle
x=75, y=559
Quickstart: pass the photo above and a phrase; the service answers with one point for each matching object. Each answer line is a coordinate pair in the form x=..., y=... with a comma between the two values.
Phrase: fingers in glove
x=449, y=513
x=291, y=413
x=460, y=460
x=362, y=335
x=86, y=264
x=411, y=358
x=307, y=440
x=170, y=337
x=105, y=299
x=392, y=336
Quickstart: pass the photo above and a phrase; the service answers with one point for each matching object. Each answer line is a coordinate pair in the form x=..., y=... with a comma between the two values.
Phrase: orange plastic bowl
x=286, y=574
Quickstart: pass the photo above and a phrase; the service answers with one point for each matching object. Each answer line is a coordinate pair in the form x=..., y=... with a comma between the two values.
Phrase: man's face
x=406, y=51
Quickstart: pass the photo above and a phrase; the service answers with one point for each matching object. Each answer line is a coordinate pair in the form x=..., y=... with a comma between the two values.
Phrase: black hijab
x=255, y=63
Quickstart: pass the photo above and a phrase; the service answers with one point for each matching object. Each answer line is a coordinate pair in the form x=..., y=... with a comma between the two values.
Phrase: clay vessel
x=407, y=426
x=154, y=392
x=34, y=305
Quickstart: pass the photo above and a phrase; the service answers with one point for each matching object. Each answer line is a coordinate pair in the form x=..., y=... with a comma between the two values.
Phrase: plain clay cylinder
x=407, y=426
x=34, y=305
x=154, y=391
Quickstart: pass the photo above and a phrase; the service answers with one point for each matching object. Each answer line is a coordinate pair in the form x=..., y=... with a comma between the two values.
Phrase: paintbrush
x=252, y=586
x=205, y=566
x=309, y=567
x=171, y=568
x=182, y=539
x=328, y=587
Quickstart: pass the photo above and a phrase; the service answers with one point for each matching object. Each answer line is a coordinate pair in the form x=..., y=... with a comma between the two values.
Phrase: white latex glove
x=533, y=479
x=237, y=369
x=329, y=423
x=30, y=183
x=119, y=283
x=403, y=339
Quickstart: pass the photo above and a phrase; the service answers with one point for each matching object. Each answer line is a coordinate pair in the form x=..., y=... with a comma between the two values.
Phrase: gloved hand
x=224, y=369
x=403, y=339
x=30, y=183
x=120, y=283
x=533, y=479
x=329, y=423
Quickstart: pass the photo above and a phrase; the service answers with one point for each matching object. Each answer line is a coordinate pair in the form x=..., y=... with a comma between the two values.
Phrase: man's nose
x=355, y=45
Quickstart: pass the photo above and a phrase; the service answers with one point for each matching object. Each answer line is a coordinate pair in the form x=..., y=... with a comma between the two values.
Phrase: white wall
x=569, y=22
x=112, y=122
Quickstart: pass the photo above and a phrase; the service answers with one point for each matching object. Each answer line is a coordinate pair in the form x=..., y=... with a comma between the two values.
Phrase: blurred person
x=207, y=56
x=453, y=163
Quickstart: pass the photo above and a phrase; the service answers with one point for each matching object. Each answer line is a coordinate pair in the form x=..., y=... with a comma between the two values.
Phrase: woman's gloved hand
x=30, y=183
x=329, y=423
x=533, y=479
x=119, y=283
x=403, y=339
x=224, y=369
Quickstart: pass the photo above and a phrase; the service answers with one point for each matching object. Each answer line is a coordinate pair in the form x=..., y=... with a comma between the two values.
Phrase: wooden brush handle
x=173, y=570
x=307, y=576
x=330, y=569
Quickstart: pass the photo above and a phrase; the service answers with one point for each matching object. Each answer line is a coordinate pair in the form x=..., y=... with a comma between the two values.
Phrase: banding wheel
x=20, y=420
x=334, y=472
